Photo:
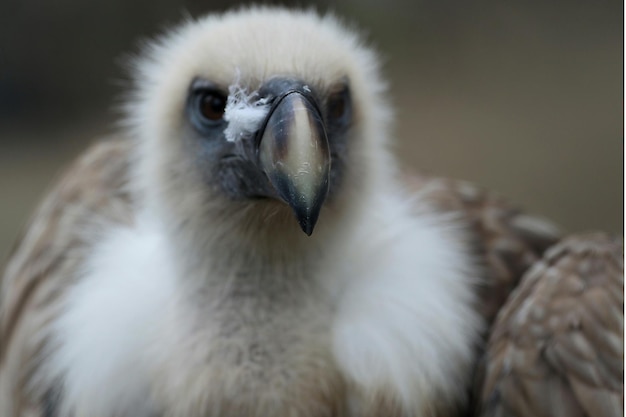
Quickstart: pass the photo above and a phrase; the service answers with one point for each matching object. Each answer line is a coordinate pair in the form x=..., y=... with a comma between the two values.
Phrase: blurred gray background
x=523, y=97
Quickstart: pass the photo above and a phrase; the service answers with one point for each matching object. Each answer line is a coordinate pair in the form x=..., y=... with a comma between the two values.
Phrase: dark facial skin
x=235, y=168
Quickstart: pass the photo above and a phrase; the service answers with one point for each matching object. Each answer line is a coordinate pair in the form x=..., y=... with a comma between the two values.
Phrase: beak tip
x=307, y=220
x=307, y=228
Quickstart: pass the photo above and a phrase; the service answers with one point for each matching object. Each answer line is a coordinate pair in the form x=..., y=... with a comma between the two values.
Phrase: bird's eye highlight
x=211, y=105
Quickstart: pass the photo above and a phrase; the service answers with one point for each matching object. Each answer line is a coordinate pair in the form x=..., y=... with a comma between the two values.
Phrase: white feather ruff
x=107, y=329
x=404, y=319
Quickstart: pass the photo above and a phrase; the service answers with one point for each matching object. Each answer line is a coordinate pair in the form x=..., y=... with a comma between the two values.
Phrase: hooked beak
x=294, y=154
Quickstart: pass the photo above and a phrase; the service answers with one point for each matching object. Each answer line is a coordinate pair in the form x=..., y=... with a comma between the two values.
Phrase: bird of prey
x=247, y=246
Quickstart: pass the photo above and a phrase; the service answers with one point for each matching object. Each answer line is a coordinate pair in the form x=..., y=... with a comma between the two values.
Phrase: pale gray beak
x=295, y=156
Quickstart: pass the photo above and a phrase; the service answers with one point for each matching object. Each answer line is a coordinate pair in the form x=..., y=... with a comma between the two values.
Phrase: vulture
x=247, y=245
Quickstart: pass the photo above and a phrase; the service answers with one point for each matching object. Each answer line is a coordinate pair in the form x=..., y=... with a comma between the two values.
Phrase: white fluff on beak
x=243, y=113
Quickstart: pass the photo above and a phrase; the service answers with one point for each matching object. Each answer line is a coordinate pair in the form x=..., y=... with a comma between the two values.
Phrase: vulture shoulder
x=92, y=193
x=554, y=341
x=556, y=348
x=504, y=239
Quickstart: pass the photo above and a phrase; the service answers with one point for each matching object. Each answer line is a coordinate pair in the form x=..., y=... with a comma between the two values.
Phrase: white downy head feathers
x=244, y=112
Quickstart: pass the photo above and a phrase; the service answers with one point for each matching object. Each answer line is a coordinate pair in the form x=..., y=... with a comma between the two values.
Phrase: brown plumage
x=557, y=346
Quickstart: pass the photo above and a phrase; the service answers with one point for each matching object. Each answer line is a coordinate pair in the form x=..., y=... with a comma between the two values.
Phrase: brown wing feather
x=93, y=192
x=556, y=348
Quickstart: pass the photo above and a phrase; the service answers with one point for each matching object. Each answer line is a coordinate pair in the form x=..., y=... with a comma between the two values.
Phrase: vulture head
x=257, y=121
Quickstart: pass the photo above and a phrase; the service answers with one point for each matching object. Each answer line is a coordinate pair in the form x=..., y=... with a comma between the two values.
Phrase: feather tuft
x=244, y=112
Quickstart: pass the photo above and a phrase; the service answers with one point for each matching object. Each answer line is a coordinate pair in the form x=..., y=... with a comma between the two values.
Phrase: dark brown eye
x=338, y=104
x=212, y=105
